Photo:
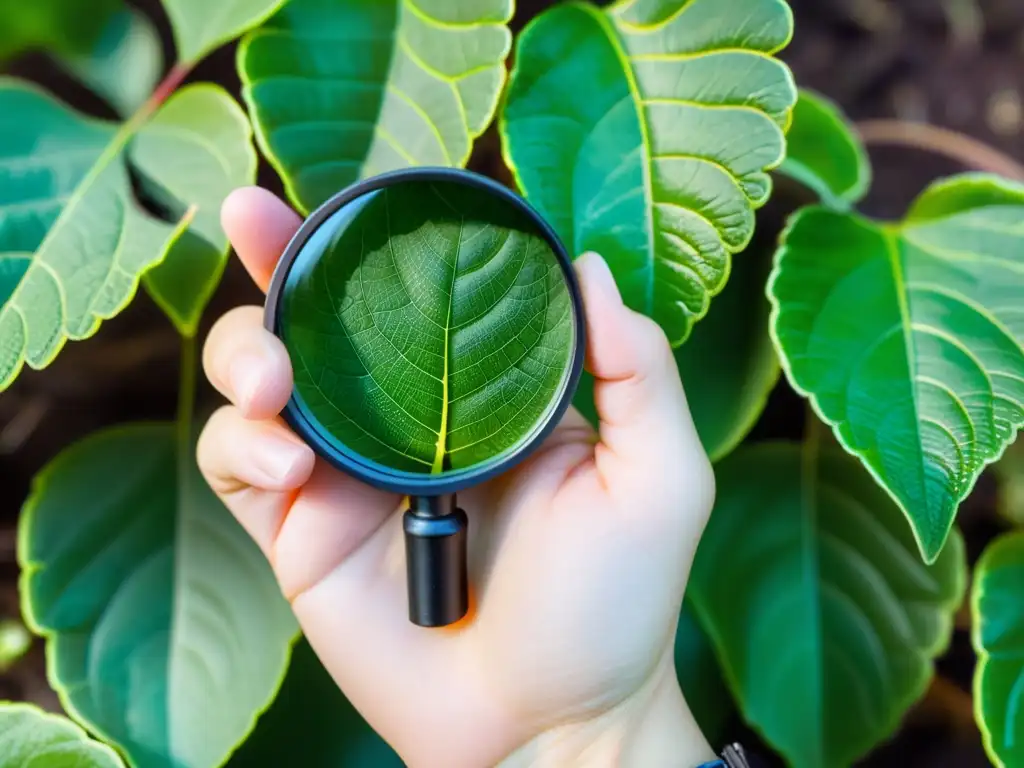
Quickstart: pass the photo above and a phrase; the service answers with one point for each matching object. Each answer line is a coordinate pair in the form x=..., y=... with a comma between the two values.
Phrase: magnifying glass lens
x=431, y=328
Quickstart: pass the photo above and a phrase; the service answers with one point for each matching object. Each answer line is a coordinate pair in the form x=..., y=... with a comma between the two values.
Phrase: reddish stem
x=167, y=86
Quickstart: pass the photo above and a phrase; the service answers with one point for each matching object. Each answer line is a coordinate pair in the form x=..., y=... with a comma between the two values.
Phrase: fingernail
x=245, y=377
x=278, y=457
x=599, y=277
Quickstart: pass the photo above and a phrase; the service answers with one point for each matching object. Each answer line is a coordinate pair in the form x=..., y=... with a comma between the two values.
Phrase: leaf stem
x=186, y=401
x=963, y=149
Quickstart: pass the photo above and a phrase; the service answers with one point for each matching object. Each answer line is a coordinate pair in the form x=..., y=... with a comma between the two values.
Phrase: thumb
x=645, y=425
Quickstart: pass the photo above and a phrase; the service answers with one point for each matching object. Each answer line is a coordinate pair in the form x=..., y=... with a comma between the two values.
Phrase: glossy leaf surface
x=31, y=738
x=996, y=599
x=197, y=148
x=824, y=153
x=644, y=132
x=429, y=327
x=166, y=632
x=200, y=26
x=75, y=241
x=345, y=89
x=124, y=64
x=908, y=338
x=825, y=619
x=310, y=716
x=728, y=365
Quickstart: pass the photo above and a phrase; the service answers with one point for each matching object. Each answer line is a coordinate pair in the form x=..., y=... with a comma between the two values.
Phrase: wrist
x=653, y=727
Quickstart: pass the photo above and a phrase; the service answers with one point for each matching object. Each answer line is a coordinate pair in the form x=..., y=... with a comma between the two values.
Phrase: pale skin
x=579, y=557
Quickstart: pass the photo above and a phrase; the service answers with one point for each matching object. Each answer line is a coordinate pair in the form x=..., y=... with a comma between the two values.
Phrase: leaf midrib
x=442, y=433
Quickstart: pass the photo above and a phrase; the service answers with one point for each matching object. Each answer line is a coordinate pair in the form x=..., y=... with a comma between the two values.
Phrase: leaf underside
x=825, y=605
x=908, y=338
x=30, y=737
x=998, y=626
x=644, y=132
x=433, y=333
x=166, y=632
x=345, y=90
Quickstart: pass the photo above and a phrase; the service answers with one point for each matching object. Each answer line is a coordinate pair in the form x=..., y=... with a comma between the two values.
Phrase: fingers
x=645, y=423
x=248, y=364
x=259, y=226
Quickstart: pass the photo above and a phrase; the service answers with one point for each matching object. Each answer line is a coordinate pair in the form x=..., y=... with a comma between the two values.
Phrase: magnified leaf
x=310, y=717
x=908, y=338
x=434, y=333
x=644, y=132
x=808, y=582
x=61, y=26
x=30, y=737
x=75, y=241
x=824, y=153
x=124, y=64
x=344, y=89
x=200, y=26
x=996, y=599
x=166, y=631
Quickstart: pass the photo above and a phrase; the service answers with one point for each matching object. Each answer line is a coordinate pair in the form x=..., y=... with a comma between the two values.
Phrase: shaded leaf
x=728, y=365
x=644, y=132
x=344, y=89
x=431, y=330
x=200, y=26
x=166, y=632
x=809, y=585
x=124, y=64
x=824, y=153
x=30, y=737
x=998, y=632
x=1009, y=471
x=311, y=717
x=908, y=338
x=700, y=677
x=197, y=148
x=61, y=26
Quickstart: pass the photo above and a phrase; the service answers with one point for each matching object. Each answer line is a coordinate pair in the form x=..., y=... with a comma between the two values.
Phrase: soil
x=955, y=63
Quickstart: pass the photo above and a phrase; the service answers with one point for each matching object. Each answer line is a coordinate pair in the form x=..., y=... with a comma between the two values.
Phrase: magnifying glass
x=436, y=333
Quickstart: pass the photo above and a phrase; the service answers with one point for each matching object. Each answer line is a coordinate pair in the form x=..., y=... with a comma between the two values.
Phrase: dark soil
x=953, y=63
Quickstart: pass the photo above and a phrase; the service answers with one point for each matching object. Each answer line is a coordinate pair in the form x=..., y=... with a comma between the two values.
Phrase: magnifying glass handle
x=435, y=554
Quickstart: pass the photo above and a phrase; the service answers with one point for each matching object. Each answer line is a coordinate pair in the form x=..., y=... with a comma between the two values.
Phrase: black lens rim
x=374, y=473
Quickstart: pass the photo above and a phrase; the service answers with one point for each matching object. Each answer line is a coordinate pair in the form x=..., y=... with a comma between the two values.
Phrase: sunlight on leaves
x=31, y=737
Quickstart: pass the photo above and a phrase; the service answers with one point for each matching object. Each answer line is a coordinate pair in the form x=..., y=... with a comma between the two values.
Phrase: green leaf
x=825, y=153
x=728, y=365
x=700, y=677
x=61, y=26
x=998, y=632
x=431, y=330
x=907, y=338
x=197, y=148
x=72, y=226
x=344, y=89
x=166, y=632
x=643, y=132
x=200, y=26
x=30, y=737
x=125, y=63
x=826, y=621
x=310, y=717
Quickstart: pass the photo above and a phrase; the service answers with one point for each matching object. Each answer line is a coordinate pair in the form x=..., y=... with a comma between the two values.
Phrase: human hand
x=578, y=557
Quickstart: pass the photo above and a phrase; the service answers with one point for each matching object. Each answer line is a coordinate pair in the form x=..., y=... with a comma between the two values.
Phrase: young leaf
x=31, y=737
x=310, y=717
x=432, y=332
x=343, y=89
x=996, y=597
x=197, y=148
x=643, y=132
x=908, y=338
x=201, y=26
x=728, y=365
x=75, y=240
x=824, y=152
x=125, y=63
x=166, y=632
x=824, y=618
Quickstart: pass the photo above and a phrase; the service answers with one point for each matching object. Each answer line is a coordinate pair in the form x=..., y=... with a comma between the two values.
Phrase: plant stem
x=186, y=405
x=963, y=149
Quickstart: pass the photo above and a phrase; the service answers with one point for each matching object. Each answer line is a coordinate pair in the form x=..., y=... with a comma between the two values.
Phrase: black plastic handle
x=435, y=555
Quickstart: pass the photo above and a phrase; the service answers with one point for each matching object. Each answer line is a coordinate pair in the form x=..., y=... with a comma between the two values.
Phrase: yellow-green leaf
x=31, y=738
x=200, y=26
